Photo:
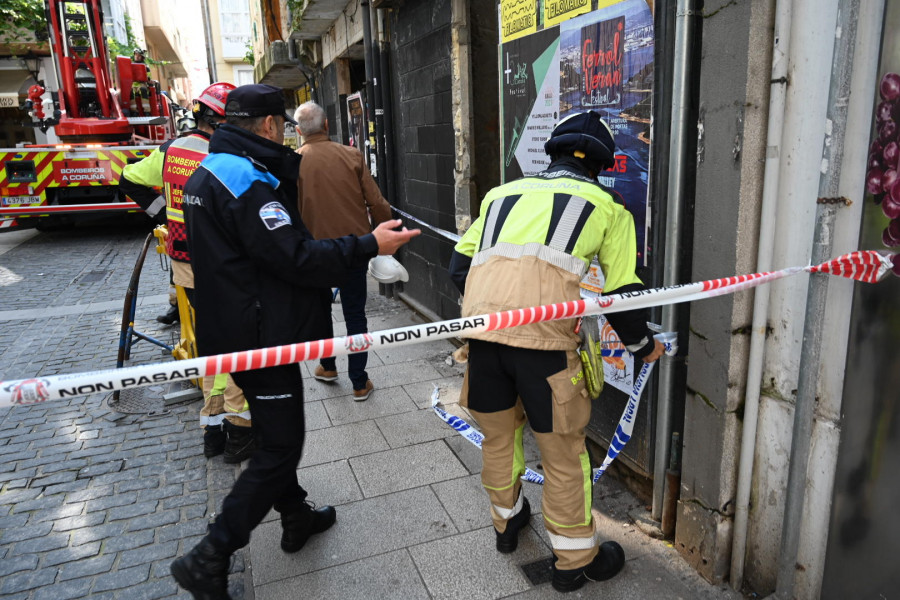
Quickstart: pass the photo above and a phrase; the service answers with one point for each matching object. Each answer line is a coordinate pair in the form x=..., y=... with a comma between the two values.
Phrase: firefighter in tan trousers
x=532, y=244
x=225, y=415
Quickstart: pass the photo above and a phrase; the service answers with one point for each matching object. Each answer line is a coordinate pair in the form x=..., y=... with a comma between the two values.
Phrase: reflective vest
x=533, y=243
x=183, y=157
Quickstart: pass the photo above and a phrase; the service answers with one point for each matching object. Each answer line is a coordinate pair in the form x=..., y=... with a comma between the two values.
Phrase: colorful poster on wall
x=530, y=88
x=517, y=18
x=606, y=64
x=557, y=11
x=357, y=120
x=864, y=525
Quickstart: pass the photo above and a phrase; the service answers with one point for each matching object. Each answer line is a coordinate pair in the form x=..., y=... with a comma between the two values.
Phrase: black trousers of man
x=275, y=396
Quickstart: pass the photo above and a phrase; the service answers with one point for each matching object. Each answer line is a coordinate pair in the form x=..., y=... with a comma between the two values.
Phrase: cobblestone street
x=94, y=501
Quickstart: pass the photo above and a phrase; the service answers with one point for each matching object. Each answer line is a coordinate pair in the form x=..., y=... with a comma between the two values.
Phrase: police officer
x=225, y=415
x=532, y=244
x=260, y=278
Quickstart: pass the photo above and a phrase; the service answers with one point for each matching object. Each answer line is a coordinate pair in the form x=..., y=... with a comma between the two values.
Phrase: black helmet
x=586, y=136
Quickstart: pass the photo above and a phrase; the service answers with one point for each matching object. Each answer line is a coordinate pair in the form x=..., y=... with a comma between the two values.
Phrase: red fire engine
x=101, y=128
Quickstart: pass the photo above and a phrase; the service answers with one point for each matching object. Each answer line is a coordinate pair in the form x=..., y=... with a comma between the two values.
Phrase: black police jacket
x=260, y=279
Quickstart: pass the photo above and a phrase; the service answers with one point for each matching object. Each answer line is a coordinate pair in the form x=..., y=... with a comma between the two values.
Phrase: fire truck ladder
x=83, y=62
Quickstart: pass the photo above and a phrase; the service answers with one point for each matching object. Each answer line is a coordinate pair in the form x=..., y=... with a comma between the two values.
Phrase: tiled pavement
x=96, y=503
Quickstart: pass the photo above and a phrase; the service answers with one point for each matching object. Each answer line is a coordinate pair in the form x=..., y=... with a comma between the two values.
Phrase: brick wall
x=424, y=140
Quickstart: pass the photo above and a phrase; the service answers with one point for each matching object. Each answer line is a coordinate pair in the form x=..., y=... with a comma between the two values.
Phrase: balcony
x=161, y=29
x=279, y=66
x=315, y=18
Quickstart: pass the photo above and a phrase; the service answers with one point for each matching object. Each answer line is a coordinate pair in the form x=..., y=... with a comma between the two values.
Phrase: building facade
x=781, y=395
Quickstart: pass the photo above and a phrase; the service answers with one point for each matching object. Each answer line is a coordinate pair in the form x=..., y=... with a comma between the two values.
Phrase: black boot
x=213, y=441
x=508, y=541
x=608, y=562
x=170, y=317
x=298, y=526
x=203, y=572
x=239, y=444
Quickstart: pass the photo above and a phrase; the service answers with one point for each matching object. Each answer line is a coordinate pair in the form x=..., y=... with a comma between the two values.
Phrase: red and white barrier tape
x=869, y=266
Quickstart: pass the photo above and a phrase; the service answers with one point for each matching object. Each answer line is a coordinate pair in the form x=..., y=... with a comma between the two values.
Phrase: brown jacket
x=336, y=188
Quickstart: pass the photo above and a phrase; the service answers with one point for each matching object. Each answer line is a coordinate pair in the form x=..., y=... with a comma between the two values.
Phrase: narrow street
x=97, y=500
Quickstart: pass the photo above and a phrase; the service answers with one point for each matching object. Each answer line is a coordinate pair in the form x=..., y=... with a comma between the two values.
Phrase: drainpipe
x=813, y=326
x=379, y=107
x=673, y=316
x=210, y=50
x=388, y=126
x=777, y=91
x=371, y=80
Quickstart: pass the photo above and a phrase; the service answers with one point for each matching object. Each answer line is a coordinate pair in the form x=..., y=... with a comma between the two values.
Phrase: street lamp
x=32, y=64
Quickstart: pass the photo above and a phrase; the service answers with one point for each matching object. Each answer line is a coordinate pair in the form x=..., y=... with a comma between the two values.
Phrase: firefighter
x=532, y=244
x=225, y=415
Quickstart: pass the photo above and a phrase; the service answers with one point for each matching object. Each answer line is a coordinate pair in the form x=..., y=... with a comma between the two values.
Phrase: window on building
x=234, y=18
x=243, y=75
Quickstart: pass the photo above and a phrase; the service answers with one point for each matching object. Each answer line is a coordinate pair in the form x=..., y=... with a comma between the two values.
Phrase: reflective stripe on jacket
x=183, y=156
x=533, y=243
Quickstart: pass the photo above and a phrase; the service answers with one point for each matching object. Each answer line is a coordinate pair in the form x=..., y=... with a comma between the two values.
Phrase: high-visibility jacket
x=169, y=168
x=533, y=244
x=182, y=159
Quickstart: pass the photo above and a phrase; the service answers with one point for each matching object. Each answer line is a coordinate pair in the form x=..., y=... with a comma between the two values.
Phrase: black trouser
x=499, y=375
x=275, y=396
x=353, y=305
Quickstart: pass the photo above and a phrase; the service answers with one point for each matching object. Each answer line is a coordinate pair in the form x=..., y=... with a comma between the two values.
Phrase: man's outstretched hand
x=389, y=241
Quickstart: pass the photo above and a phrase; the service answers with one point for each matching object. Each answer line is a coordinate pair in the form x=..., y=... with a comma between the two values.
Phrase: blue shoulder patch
x=274, y=215
x=236, y=172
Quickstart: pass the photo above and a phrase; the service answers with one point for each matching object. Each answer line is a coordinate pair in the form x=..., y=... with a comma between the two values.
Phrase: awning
x=12, y=85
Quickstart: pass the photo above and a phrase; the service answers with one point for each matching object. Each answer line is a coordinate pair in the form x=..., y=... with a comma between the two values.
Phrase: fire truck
x=102, y=125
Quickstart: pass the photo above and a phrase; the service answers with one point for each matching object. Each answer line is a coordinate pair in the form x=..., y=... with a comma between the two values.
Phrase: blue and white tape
x=623, y=429
x=454, y=237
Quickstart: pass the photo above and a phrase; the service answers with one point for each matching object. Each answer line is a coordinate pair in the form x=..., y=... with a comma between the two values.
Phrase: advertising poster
x=517, y=18
x=357, y=121
x=606, y=64
x=530, y=88
x=557, y=11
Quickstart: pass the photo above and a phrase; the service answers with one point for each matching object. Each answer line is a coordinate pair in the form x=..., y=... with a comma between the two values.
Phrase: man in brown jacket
x=337, y=197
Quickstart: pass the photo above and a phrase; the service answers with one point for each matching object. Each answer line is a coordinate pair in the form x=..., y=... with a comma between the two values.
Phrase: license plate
x=17, y=200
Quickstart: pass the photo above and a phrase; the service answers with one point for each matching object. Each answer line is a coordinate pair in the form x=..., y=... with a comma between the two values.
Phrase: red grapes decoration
x=883, y=175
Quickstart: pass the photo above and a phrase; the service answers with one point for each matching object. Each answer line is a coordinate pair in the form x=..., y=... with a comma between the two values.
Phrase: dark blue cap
x=256, y=100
